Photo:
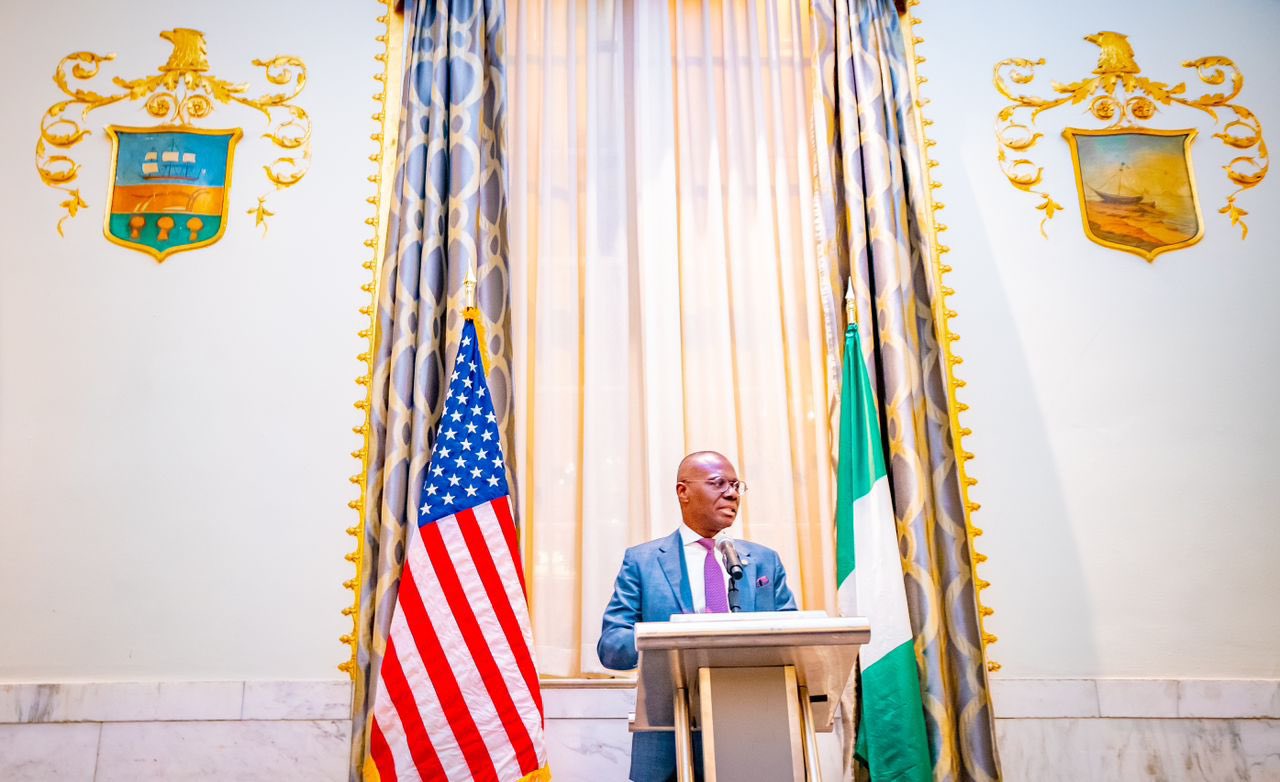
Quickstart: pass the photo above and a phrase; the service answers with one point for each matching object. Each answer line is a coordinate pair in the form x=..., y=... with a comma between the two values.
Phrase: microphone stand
x=733, y=566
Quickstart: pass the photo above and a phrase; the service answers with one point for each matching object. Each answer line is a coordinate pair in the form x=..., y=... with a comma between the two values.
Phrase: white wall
x=1124, y=415
x=174, y=439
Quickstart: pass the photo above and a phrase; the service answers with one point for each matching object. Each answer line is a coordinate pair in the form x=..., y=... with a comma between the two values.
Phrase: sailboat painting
x=1137, y=188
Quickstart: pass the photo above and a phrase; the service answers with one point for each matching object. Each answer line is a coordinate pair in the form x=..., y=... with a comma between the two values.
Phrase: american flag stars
x=466, y=467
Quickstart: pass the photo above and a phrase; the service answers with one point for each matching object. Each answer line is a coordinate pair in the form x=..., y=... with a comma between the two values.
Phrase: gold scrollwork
x=1015, y=137
x=61, y=130
x=1118, y=95
x=180, y=93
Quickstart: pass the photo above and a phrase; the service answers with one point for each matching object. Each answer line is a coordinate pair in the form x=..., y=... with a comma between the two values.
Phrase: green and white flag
x=891, y=731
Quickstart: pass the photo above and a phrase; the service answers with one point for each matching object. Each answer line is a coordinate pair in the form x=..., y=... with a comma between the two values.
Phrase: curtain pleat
x=448, y=216
x=875, y=233
x=664, y=290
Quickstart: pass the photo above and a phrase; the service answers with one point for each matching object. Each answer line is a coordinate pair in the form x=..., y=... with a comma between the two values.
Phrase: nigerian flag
x=891, y=733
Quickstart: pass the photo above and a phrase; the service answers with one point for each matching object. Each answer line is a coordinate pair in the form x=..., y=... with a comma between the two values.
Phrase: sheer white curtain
x=664, y=289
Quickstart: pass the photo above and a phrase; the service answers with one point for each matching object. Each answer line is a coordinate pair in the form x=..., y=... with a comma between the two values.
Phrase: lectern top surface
x=764, y=628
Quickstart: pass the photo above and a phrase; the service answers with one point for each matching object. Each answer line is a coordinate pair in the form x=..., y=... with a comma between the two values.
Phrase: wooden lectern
x=758, y=685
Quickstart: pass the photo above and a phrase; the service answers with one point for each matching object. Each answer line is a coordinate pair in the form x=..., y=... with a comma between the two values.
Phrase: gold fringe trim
x=541, y=775
x=387, y=118
x=947, y=336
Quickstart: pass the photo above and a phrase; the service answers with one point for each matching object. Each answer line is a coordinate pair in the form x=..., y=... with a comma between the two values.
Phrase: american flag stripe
x=398, y=756
x=496, y=614
x=490, y=519
x=381, y=752
x=448, y=665
x=406, y=716
x=419, y=699
x=507, y=526
x=423, y=753
x=499, y=615
x=464, y=589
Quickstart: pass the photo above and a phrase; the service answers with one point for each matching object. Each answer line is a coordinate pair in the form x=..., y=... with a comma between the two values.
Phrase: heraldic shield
x=1137, y=188
x=169, y=187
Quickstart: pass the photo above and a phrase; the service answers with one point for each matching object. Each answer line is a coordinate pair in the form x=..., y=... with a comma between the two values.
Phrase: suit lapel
x=671, y=557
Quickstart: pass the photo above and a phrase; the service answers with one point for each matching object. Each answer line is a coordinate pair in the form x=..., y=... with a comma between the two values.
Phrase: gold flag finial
x=469, y=290
x=848, y=302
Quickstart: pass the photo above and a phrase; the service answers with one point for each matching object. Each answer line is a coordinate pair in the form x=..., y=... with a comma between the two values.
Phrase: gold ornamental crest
x=1136, y=184
x=170, y=183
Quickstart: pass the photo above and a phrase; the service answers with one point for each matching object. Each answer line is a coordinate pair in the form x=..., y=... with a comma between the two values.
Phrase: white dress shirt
x=695, y=557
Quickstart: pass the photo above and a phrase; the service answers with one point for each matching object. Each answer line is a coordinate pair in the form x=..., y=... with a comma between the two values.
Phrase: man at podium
x=685, y=573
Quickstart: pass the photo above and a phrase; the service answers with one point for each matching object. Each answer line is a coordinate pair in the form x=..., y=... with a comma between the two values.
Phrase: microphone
x=732, y=562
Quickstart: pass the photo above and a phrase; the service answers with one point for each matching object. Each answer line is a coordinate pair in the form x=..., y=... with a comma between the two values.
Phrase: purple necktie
x=713, y=580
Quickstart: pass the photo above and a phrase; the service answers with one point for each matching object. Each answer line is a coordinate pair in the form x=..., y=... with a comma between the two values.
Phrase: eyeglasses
x=722, y=485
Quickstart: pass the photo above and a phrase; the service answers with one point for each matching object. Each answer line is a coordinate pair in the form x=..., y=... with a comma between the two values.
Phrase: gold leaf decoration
x=1119, y=96
x=182, y=92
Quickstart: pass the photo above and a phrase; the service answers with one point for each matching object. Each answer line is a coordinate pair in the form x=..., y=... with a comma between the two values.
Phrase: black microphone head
x=732, y=562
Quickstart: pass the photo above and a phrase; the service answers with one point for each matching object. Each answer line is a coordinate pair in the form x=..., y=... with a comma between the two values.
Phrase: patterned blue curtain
x=448, y=215
x=872, y=214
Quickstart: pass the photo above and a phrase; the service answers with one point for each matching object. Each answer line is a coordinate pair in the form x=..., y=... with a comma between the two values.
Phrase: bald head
x=698, y=462
x=706, y=486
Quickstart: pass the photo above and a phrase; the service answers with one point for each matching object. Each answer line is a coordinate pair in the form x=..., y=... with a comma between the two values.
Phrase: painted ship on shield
x=1118, y=190
x=172, y=164
x=170, y=188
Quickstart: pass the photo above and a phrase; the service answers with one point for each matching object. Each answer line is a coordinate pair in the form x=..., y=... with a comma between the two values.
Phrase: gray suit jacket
x=652, y=585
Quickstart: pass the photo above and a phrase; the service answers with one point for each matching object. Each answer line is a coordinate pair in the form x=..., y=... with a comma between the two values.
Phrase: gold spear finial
x=469, y=290
x=848, y=302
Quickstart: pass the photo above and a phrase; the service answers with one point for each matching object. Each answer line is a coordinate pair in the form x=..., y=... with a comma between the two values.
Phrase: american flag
x=458, y=694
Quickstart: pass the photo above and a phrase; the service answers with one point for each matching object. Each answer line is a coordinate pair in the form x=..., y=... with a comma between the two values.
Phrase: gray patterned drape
x=448, y=215
x=872, y=209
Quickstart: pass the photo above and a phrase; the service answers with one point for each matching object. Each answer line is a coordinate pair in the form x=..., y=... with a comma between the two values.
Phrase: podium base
x=742, y=735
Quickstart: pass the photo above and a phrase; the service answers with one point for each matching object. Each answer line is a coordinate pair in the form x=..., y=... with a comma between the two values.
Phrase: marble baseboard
x=1136, y=698
x=38, y=753
x=1066, y=729
x=245, y=751
x=588, y=750
x=589, y=702
x=1126, y=750
x=268, y=730
x=175, y=701
x=331, y=699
